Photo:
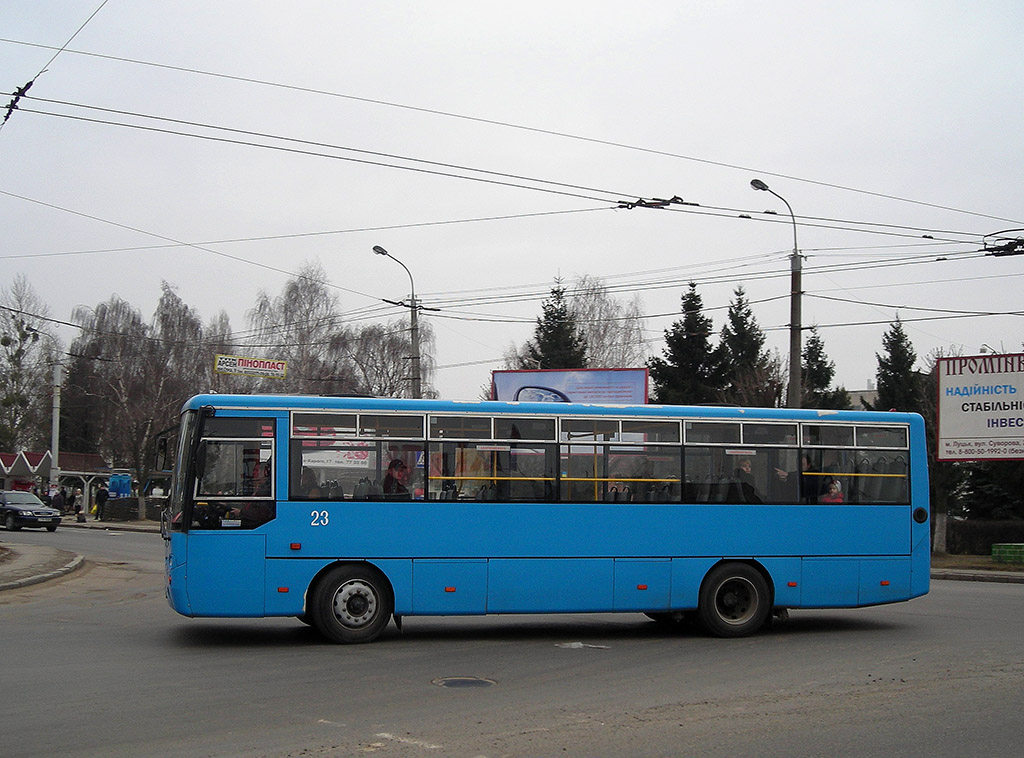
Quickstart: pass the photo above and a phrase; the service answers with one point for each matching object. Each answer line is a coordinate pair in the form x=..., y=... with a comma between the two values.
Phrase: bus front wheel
x=734, y=600
x=352, y=603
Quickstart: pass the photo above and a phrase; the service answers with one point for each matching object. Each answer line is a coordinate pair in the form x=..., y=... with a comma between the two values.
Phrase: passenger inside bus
x=396, y=481
x=745, y=475
x=308, y=485
x=805, y=486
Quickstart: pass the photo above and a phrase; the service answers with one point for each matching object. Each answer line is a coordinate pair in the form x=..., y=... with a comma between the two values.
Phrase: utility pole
x=55, y=426
x=795, y=391
x=414, y=335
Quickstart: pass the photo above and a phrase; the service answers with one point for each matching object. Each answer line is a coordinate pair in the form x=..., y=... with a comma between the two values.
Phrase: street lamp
x=415, y=330
x=795, y=318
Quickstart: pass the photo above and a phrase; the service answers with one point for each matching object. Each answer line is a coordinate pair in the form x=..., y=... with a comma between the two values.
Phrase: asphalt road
x=96, y=663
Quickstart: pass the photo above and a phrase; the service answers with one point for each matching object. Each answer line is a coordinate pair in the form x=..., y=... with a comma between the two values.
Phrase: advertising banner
x=242, y=366
x=981, y=408
x=615, y=386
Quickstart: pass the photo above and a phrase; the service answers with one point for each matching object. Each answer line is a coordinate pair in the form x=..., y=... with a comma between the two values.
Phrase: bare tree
x=27, y=354
x=381, y=357
x=218, y=339
x=129, y=378
x=303, y=326
x=612, y=329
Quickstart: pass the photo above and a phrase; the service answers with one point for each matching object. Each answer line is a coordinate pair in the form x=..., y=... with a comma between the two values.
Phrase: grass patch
x=972, y=563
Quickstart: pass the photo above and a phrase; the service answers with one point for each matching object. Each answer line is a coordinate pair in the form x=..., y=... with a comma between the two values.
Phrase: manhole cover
x=462, y=681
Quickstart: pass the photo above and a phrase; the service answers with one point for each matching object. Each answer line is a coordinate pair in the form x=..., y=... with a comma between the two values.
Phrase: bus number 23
x=319, y=518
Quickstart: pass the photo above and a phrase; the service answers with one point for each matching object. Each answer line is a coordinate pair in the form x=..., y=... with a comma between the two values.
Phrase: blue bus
x=348, y=512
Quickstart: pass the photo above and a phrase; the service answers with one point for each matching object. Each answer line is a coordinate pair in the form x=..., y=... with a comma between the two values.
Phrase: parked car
x=18, y=509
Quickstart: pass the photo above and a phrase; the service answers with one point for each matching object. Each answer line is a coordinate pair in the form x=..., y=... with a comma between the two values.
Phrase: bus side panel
x=920, y=574
x=177, y=590
x=687, y=575
x=399, y=573
x=787, y=530
x=920, y=533
x=287, y=582
x=449, y=587
x=642, y=584
x=786, y=575
x=467, y=529
x=884, y=581
x=226, y=574
x=174, y=572
x=830, y=582
x=540, y=585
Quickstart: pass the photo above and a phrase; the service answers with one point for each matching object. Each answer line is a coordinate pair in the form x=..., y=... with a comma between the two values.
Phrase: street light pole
x=55, y=427
x=58, y=366
x=417, y=390
x=793, y=396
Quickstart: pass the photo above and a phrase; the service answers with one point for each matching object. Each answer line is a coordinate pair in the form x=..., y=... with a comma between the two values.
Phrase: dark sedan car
x=18, y=509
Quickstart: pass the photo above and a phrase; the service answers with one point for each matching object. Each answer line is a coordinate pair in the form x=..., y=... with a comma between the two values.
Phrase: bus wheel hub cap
x=355, y=604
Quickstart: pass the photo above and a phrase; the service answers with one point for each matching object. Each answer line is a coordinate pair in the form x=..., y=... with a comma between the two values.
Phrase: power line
x=519, y=127
x=832, y=268
x=347, y=159
x=300, y=235
x=21, y=91
x=913, y=307
x=487, y=176
x=175, y=241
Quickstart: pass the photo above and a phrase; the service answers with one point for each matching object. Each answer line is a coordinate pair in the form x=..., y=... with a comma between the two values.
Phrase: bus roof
x=342, y=403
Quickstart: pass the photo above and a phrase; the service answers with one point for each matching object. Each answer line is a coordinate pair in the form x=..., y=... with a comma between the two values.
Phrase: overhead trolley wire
x=171, y=239
x=301, y=235
x=22, y=91
x=511, y=125
x=516, y=180
x=487, y=176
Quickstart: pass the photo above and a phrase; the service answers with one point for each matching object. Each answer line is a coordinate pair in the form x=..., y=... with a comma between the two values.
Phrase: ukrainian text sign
x=242, y=366
x=981, y=408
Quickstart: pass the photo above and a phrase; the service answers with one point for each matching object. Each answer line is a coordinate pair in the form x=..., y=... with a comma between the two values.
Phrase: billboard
x=616, y=386
x=981, y=408
x=242, y=366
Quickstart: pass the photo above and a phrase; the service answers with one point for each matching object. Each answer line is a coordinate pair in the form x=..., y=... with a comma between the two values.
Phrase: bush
x=975, y=537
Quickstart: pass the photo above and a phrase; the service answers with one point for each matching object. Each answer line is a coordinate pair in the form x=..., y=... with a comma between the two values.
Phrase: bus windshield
x=182, y=470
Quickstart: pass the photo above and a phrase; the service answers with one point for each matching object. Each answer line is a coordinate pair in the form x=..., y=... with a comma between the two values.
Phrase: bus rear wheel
x=352, y=603
x=734, y=600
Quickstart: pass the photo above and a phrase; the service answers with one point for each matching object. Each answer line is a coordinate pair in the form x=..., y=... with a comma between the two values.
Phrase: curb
x=72, y=565
x=1005, y=577
x=124, y=526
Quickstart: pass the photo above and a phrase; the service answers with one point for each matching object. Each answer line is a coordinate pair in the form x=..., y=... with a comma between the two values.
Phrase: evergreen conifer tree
x=558, y=341
x=817, y=372
x=747, y=372
x=686, y=374
x=899, y=385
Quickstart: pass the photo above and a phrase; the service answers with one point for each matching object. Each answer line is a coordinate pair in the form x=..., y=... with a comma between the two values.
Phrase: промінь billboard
x=981, y=408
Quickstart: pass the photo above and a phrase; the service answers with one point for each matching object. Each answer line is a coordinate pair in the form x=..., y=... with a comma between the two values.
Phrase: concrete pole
x=55, y=427
x=794, y=393
x=414, y=336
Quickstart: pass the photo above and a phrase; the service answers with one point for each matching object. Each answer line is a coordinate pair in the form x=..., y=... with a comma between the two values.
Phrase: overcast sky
x=892, y=128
